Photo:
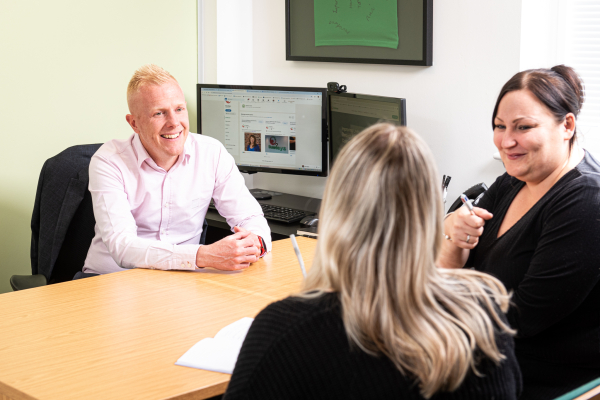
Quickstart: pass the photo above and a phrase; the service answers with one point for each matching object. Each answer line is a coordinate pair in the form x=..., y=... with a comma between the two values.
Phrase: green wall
x=64, y=68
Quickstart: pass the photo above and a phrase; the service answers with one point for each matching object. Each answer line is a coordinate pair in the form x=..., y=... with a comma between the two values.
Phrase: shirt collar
x=187, y=148
x=142, y=154
x=140, y=151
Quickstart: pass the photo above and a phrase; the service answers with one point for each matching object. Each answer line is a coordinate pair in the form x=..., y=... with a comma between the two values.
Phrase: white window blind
x=582, y=52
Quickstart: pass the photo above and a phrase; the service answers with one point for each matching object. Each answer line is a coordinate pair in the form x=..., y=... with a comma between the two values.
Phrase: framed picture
x=360, y=31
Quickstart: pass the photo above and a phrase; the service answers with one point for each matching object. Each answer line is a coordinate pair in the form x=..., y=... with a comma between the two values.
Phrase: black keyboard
x=278, y=213
x=283, y=214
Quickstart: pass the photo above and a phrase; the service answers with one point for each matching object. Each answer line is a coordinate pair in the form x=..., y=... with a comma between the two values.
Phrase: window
x=582, y=52
x=567, y=32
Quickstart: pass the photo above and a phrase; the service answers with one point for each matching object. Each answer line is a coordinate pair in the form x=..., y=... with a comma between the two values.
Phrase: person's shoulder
x=286, y=316
x=280, y=348
x=580, y=185
x=297, y=309
x=322, y=302
x=576, y=196
x=115, y=147
x=588, y=172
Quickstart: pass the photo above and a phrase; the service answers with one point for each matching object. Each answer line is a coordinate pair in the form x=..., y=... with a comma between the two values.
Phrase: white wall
x=542, y=33
x=234, y=42
x=476, y=48
x=209, y=40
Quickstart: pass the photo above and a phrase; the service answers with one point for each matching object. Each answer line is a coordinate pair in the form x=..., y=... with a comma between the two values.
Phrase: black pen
x=445, y=183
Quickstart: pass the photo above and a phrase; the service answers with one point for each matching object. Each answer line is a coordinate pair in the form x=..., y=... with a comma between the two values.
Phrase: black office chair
x=62, y=224
x=473, y=193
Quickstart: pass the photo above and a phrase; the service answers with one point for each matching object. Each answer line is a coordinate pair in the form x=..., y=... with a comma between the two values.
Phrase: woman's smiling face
x=531, y=142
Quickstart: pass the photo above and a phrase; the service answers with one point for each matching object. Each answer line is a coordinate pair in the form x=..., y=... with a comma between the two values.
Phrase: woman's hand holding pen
x=464, y=227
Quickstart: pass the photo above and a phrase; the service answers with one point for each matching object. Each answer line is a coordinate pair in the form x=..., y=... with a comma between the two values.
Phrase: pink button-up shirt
x=147, y=217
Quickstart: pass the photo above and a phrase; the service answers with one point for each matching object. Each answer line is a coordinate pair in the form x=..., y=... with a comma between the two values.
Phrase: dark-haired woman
x=542, y=231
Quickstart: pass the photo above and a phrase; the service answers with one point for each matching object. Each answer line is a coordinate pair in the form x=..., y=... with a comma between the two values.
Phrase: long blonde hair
x=380, y=231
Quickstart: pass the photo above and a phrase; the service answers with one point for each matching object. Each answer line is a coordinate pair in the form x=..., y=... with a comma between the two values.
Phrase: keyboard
x=278, y=213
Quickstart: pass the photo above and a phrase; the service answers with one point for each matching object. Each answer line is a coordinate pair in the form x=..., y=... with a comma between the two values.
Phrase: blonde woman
x=376, y=318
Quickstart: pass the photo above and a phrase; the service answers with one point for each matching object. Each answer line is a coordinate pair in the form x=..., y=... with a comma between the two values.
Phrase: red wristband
x=263, y=246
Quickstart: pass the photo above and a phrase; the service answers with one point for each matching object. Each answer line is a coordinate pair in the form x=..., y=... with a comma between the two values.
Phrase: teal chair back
x=590, y=390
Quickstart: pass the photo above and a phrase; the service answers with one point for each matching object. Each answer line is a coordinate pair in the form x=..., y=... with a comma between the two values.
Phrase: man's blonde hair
x=147, y=74
x=380, y=232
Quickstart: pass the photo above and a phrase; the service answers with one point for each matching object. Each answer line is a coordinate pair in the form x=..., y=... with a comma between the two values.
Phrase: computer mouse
x=310, y=220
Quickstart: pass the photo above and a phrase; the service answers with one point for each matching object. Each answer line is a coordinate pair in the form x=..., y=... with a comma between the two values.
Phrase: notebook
x=220, y=353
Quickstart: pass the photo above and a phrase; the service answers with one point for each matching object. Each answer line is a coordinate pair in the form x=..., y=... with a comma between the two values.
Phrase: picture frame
x=414, y=24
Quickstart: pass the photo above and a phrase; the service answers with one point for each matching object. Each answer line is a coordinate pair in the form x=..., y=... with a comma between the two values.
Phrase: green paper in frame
x=356, y=23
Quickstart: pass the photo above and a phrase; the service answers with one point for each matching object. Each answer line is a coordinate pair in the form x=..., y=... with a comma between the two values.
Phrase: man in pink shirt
x=151, y=191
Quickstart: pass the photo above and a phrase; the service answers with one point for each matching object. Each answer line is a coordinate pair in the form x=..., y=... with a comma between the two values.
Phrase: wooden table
x=117, y=336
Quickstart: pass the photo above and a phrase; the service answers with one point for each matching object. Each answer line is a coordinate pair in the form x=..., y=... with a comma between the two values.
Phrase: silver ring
x=468, y=238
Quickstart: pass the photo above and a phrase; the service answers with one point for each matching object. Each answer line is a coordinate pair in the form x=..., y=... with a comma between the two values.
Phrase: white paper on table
x=220, y=353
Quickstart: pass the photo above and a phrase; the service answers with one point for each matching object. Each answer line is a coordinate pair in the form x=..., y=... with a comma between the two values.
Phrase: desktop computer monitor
x=350, y=113
x=267, y=129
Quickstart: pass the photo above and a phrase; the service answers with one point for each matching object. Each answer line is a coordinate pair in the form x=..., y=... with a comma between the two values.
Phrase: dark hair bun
x=573, y=80
x=559, y=88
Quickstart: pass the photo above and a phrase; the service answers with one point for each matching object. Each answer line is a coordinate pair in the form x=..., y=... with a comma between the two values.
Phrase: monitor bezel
x=324, y=131
x=384, y=99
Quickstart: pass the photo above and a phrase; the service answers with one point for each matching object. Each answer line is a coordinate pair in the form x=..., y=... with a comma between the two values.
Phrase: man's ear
x=132, y=122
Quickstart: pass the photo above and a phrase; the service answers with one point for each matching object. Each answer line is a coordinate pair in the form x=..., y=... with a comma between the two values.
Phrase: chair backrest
x=62, y=224
x=76, y=243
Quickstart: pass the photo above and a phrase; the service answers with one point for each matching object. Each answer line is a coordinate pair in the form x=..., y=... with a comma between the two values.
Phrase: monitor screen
x=350, y=113
x=267, y=129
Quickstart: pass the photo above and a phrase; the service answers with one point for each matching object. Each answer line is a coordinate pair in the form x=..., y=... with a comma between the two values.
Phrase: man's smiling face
x=159, y=115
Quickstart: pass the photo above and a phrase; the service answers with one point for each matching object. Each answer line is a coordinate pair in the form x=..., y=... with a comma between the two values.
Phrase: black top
x=298, y=349
x=550, y=260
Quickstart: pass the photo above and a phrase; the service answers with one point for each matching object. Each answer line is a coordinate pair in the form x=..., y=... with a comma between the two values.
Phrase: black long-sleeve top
x=298, y=349
x=550, y=260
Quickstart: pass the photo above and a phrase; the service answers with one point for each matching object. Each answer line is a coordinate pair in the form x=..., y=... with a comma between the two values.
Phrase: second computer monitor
x=267, y=129
x=350, y=113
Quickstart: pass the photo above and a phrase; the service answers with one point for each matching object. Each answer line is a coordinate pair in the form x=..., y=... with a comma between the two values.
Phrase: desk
x=117, y=336
x=218, y=227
